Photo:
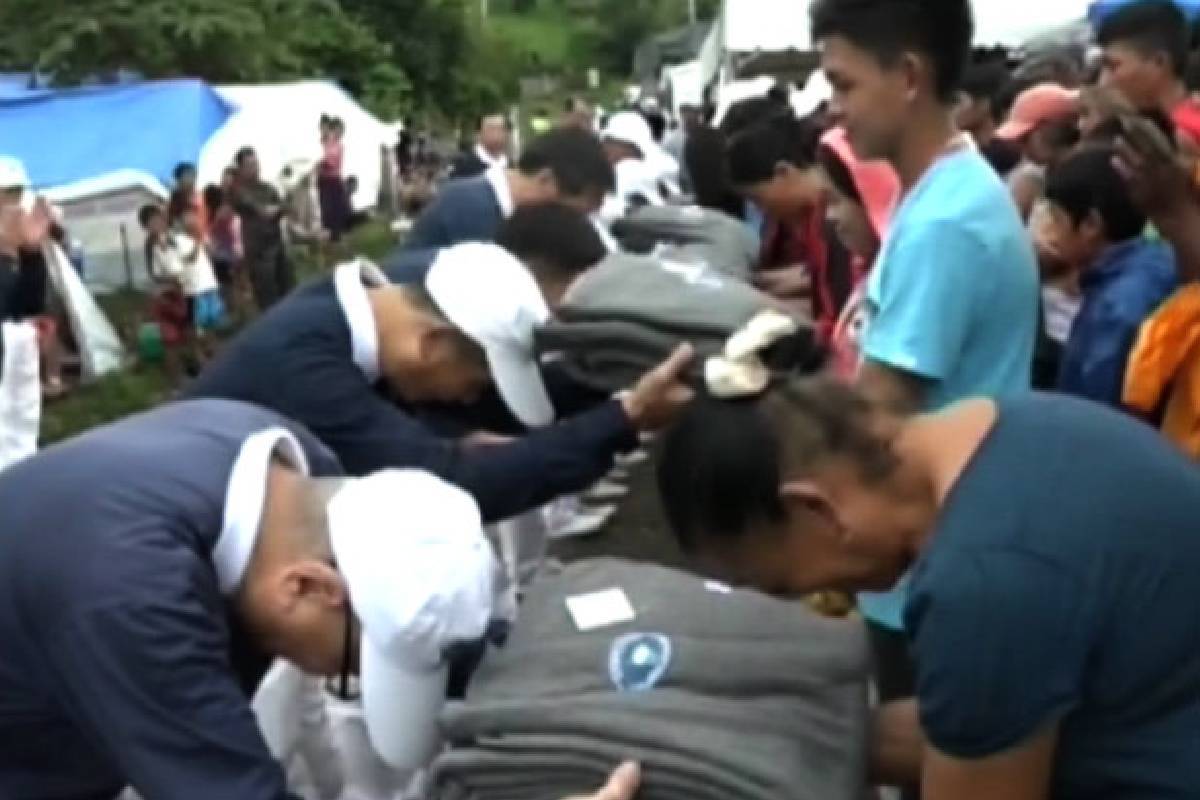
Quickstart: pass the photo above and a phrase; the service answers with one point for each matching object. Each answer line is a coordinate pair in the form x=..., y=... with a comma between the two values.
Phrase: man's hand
x=1157, y=180
x=622, y=785
x=661, y=393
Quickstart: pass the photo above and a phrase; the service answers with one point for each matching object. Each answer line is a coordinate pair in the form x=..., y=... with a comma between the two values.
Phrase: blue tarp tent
x=1100, y=9
x=69, y=136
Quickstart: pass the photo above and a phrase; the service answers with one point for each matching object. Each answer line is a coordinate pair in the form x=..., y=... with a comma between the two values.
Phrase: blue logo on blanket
x=637, y=661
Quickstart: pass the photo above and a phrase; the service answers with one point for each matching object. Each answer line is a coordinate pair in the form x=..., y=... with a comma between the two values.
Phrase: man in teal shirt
x=953, y=299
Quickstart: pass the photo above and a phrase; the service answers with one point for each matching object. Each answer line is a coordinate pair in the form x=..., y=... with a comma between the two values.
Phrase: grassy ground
x=144, y=385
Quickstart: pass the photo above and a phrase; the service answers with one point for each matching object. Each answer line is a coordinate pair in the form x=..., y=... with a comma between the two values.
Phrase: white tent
x=754, y=27
x=281, y=123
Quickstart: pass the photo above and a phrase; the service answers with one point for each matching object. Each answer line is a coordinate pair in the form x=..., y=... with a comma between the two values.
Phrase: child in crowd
x=206, y=312
x=225, y=242
x=168, y=305
x=1096, y=229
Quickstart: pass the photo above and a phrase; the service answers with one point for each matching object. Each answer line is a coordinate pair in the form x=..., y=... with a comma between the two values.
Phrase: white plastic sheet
x=100, y=349
x=20, y=393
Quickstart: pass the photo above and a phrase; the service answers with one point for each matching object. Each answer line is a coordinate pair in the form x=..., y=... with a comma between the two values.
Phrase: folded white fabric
x=739, y=371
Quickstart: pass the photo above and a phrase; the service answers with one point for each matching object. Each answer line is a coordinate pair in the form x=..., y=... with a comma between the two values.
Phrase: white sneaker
x=604, y=491
x=631, y=459
x=585, y=522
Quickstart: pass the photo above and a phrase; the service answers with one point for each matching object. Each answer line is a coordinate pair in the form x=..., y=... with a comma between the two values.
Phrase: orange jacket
x=1165, y=366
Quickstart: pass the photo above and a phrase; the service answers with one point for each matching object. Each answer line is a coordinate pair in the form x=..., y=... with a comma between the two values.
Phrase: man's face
x=1075, y=245
x=11, y=196
x=869, y=100
x=1141, y=79
x=973, y=115
x=493, y=135
x=436, y=365
x=850, y=543
x=791, y=191
x=187, y=180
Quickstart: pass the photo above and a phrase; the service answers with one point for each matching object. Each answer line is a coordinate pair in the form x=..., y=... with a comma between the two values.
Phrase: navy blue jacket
x=463, y=211
x=297, y=360
x=118, y=664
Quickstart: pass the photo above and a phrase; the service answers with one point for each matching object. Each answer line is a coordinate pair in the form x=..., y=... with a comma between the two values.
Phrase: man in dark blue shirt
x=564, y=165
x=1097, y=229
x=148, y=569
x=354, y=363
x=1053, y=551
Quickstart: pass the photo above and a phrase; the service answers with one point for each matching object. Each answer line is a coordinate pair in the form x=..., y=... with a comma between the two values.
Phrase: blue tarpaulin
x=76, y=134
x=1100, y=9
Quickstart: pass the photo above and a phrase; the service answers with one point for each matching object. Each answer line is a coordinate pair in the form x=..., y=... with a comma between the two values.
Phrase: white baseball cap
x=13, y=174
x=631, y=127
x=491, y=297
x=421, y=577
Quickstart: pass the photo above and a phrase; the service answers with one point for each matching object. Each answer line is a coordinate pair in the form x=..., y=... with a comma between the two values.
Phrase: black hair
x=1060, y=134
x=986, y=81
x=839, y=174
x=940, y=30
x=214, y=198
x=657, y=123
x=1087, y=181
x=704, y=155
x=554, y=240
x=575, y=158
x=1152, y=27
x=754, y=154
x=149, y=212
x=747, y=113
x=183, y=168
x=722, y=464
x=243, y=155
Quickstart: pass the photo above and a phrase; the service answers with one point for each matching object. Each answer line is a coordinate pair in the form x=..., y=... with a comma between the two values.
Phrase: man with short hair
x=564, y=165
x=261, y=210
x=138, y=611
x=1145, y=56
x=490, y=150
x=356, y=358
x=577, y=113
x=952, y=302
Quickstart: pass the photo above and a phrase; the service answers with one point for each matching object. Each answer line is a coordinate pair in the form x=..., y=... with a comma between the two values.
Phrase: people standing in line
x=332, y=196
x=953, y=299
x=261, y=210
x=490, y=148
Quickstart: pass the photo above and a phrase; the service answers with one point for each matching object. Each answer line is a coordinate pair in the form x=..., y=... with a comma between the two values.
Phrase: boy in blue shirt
x=953, y=298
x=1124, y=276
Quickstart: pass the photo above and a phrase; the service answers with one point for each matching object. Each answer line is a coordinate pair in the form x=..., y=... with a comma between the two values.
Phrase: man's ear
x=1092, y=227
x=912, y=68
x=809, y=497
x=314, y=579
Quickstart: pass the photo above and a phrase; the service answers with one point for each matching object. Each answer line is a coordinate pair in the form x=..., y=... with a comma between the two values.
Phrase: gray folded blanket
x=718, y=693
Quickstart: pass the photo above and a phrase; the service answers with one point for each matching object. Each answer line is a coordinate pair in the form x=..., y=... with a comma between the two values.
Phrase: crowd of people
x=996, y=459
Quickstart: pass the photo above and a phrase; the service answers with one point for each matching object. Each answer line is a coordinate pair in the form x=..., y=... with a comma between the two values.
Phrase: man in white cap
x=137, y=610
x=646, y=174
x=356, y=360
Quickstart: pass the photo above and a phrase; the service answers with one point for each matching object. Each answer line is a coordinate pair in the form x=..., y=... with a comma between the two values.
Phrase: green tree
x=218, y=40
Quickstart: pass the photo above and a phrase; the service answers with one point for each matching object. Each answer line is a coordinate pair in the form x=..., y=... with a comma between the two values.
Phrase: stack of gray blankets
x=720, y=694
x=691, y=235
x=625, y=315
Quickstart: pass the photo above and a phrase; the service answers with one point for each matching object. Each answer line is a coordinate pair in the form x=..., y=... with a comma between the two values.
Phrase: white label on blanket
x=600, y=609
